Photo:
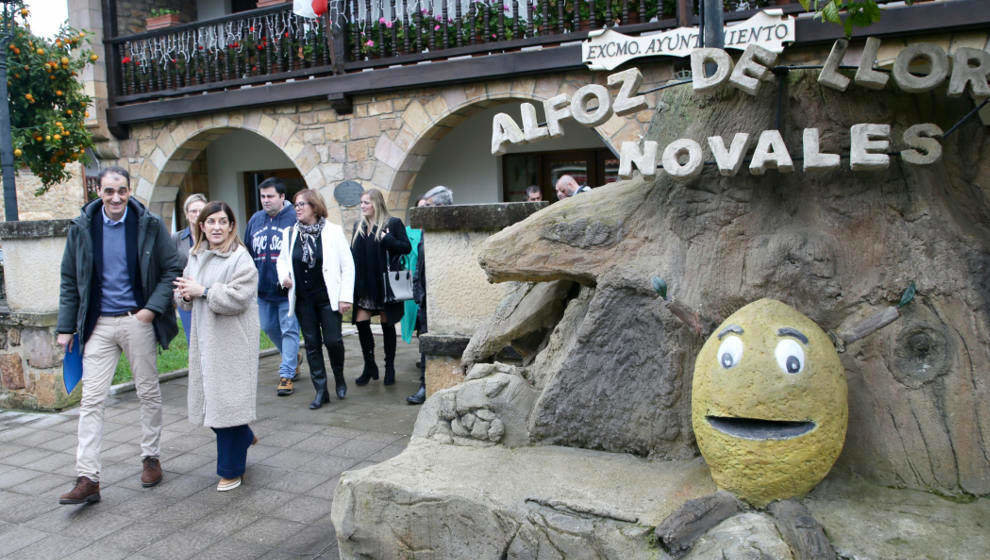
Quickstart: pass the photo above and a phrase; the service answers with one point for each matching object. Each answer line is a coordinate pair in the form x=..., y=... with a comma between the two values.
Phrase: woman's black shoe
x=341, y=390
x=389, y=375
x=319, y=400
x=370, y=372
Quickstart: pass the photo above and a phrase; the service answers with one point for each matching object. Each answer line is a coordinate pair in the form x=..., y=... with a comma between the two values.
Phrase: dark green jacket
x=157, y=262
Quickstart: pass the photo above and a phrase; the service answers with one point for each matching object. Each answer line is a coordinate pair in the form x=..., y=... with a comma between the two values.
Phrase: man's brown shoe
x=86, y=491
x=284, y=388
x=152, y=472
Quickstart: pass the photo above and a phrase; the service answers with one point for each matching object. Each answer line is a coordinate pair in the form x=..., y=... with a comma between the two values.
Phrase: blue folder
x=72, y=365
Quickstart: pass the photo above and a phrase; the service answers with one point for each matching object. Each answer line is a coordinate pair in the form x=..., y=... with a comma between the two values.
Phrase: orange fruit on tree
x=40, y=51
x=18, y=152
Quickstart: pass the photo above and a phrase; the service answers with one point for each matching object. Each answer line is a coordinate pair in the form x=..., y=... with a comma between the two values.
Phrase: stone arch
x=176, y=147
x=425, y=121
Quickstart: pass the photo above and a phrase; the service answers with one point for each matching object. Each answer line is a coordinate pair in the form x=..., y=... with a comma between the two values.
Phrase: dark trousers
x=232, y=446
x=320, y=326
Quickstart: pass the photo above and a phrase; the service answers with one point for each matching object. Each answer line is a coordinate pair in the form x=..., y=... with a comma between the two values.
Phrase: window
x=593, y=167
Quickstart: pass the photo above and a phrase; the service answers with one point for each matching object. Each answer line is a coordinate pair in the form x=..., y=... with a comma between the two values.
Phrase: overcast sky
x=47, y=15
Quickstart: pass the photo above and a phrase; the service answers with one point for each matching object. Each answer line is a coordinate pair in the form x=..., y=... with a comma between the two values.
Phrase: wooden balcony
x=270, y=54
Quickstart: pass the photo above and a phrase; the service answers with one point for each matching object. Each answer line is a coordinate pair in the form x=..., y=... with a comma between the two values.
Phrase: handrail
x=273, y=44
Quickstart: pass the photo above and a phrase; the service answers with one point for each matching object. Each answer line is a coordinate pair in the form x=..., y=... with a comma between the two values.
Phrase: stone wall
x=62, y=200
x=30, y=360
x=459, y=297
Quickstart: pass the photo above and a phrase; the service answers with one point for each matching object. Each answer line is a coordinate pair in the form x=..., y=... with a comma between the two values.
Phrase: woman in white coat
x=219, y=287
x=315, y=265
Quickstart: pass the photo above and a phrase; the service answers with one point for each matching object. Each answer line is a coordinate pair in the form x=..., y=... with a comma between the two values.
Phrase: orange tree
x=47, y=102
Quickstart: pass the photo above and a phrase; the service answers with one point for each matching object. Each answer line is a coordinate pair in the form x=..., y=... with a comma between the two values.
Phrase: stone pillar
x=458, y=294
x=30, y=360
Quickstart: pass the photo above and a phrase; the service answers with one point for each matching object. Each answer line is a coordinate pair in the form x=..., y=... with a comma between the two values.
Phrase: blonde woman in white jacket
x=315, y=265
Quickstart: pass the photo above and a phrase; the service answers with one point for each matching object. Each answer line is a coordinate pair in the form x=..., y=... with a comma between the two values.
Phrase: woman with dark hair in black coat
x=378, y=238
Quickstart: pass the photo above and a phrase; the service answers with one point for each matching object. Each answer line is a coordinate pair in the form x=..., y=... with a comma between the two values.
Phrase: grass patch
x=176, y=357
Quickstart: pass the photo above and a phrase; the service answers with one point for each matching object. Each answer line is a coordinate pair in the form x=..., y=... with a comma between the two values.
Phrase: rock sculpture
x=769, y=403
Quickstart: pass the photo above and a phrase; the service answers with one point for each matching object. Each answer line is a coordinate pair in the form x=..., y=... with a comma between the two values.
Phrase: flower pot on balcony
x=266, y=3
x=158, y=22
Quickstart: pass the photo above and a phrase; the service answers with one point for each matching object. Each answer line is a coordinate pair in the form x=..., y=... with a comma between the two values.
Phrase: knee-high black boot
x=388, y=341
x=336, y=353
x=318, y=373
x=368, y=350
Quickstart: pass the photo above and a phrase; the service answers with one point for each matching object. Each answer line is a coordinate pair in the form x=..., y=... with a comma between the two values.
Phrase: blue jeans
x=284, y=332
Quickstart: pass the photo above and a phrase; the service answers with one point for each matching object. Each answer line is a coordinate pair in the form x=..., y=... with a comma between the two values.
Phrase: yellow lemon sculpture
x=768, y=403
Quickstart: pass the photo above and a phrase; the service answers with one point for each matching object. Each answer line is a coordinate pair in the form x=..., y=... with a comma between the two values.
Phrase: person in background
x=317, y=269
x=184, y=240
x=115, y=294
x=534, y=194
x=437, y=196
x=410, y=315
x=379, y=240
x=568, y=187
x=219, y=287
x=264, y=242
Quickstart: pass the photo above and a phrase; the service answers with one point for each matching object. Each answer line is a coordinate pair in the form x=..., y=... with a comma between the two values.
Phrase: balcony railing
x=275, y=45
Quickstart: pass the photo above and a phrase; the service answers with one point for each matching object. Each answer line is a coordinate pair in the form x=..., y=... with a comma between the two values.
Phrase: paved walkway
x=281, y=511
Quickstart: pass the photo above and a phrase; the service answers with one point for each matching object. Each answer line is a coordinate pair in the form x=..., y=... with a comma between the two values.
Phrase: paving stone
x=27, y=457
x=34, y=438
x=8, y=449
x=64, y=443
x=182, y=545
x=187, y=442
x=325, y=491
x=282, y=480
x=305, y=509
x=60, y=462
x=19, y=537
x=270, y=532
x=313, y=539
x=44, y=484
x=98, y=551
x=321, y=443
x=359, y=448
x=138, y=535
x=263, y=500
x=185, y=463
x=16, y=477
x=387, y=453
x=52, y=546
x=233, y=549
x=230, y=519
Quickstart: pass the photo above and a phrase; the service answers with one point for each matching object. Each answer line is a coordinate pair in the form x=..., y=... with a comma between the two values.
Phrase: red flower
x=260, y=47
x=286, y=33
x=251, y=29
x=125, y=60
x=200, y=47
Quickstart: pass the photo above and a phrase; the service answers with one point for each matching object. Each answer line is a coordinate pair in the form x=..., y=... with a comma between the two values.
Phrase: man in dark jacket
x=263, y=238
x=116, y=294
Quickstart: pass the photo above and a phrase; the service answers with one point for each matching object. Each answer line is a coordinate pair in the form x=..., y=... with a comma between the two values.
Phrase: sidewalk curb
x=128, y=386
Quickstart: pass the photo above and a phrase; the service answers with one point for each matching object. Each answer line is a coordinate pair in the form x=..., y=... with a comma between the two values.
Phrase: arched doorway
x=223, y=164
x=462, y=161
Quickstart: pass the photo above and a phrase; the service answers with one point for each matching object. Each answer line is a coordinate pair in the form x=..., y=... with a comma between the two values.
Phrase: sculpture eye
x=730, y=351
x=790, y=356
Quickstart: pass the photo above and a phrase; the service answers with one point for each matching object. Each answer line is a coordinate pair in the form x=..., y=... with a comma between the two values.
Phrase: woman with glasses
x=379, y=242
x=184, y=240
x=315, y=266
x=219, y=286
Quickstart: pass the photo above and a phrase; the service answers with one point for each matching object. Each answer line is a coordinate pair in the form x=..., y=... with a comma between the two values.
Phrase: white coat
x=223, y=340
x=338, y=265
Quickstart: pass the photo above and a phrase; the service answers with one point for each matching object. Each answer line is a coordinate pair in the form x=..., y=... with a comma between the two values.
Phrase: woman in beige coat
x=219, y=286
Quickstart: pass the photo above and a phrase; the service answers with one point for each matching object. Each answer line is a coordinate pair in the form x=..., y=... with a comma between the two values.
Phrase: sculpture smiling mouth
x=755, y=428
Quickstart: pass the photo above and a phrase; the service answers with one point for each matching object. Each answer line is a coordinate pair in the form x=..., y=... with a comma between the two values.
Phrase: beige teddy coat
x=223, y=340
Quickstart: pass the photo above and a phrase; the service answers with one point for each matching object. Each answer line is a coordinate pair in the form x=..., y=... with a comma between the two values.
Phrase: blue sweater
x=263, y=237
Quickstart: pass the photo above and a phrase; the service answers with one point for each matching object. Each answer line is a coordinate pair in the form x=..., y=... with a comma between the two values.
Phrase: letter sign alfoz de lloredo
x=683, y=159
